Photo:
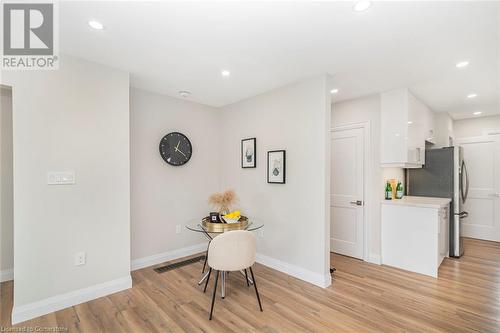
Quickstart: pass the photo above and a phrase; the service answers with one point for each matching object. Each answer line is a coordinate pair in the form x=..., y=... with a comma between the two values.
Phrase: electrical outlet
x=261, y=233
x=80, y=258
x=178, y=229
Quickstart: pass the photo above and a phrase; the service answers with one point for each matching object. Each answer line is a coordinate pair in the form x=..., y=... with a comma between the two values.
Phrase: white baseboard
x=319, y=280
x=7, y=275
x=59, y=302
x=167, y=256
x=375, y=259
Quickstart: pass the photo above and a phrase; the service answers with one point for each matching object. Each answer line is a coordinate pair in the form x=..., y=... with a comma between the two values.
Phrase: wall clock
x=175, y=149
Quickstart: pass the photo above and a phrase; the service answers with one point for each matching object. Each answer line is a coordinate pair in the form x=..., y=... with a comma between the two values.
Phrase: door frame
x=367, y=186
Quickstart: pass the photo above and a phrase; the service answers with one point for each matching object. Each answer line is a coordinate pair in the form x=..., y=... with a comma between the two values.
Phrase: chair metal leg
x=256, y=291
x=223, y=284
x=206, y=259
x=213, y=296
x=246, y=278
x=208, y=278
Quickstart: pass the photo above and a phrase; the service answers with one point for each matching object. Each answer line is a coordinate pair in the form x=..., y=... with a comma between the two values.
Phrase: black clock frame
x=161, y=152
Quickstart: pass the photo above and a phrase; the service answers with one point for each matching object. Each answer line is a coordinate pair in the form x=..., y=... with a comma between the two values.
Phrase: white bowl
x=228, y=220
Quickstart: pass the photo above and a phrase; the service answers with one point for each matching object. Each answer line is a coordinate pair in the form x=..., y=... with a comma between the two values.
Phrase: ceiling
x=173, y=46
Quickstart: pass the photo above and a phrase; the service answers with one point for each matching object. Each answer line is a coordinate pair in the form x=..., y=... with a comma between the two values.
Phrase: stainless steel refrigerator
x=444, y=175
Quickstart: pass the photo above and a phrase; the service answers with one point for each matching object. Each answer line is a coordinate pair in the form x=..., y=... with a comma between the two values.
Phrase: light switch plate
x=61, y=178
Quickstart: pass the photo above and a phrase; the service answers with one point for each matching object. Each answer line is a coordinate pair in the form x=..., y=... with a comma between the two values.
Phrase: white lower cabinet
x=415, y=233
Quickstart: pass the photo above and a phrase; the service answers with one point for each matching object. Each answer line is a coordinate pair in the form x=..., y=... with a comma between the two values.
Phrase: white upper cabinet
x=406, y=123
x=428, y=121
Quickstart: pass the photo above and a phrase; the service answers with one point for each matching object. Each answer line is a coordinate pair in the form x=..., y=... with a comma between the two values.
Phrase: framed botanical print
x=249, y=153
x=276, y=166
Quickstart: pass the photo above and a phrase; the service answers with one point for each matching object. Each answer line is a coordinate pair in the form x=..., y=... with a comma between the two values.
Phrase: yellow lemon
x=233, y=215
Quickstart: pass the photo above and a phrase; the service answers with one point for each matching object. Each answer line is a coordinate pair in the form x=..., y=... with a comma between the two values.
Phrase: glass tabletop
x=195, y=225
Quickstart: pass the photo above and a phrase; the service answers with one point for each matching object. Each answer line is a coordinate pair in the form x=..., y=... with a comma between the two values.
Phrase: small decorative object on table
x=215, y=217
x=232, y=217
x=223, y=227
x=223, y=201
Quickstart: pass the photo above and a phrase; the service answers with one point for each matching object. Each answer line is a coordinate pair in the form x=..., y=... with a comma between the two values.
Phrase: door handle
x=463, y=215
x=465, y=191
x=357, y=203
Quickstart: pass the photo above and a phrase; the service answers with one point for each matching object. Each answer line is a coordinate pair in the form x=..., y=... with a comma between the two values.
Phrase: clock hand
x=177, y=147
x=180, y=152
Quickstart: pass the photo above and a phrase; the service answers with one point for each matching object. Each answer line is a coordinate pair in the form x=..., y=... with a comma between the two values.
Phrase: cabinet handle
x=357, y=203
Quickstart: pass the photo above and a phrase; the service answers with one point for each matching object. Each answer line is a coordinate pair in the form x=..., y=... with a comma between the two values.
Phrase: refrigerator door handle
x=464, y=192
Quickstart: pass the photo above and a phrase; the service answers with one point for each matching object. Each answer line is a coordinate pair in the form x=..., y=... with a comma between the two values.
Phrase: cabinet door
x=416, y=124
x=429, y=124
x=394, y=126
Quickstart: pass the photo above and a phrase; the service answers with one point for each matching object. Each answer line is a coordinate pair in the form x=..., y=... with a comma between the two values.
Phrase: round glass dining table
x=197, y=226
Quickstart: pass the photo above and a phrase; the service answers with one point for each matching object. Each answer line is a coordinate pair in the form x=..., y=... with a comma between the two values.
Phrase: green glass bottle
x=388, y=191
x=399, y=191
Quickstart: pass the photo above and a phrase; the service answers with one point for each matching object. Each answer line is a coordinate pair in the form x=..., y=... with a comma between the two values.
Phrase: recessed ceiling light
x=184, y=93
x=477, y=113
x=471, y=95
x=462, y=64
x=410, y=122
x=334, y=91
x=96, y=25
x=361, y=6
x=225, y=73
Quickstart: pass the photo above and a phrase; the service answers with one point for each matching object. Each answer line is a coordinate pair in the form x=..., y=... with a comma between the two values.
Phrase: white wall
x=75, y=118
x=476, y=126
x=6, y=186
x=294, y=118
x=163, y=196
x=367, y=109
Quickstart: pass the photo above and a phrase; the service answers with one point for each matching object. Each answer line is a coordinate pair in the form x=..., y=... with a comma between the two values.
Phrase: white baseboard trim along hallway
x=295, y=271
x=7, y=275
x=59, y=302
x=375, y=259
x=159, y=258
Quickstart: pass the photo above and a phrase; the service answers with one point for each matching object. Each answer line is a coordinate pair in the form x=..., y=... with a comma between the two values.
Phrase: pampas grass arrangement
x=223, y=201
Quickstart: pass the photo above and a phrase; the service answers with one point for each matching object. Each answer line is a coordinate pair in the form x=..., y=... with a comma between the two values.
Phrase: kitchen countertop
x=424, y=202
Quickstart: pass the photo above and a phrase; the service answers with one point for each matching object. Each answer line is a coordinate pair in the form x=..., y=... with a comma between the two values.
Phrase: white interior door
x=346, y=201
x=482, y=159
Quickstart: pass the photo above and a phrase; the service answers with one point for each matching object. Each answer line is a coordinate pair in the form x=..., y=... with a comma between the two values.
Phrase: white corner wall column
x=79, y=116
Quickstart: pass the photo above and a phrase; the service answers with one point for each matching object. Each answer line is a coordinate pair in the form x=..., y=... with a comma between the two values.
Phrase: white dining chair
x=232, y=251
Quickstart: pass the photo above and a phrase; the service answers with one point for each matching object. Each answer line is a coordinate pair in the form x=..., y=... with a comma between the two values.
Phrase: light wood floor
x=363, y=298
